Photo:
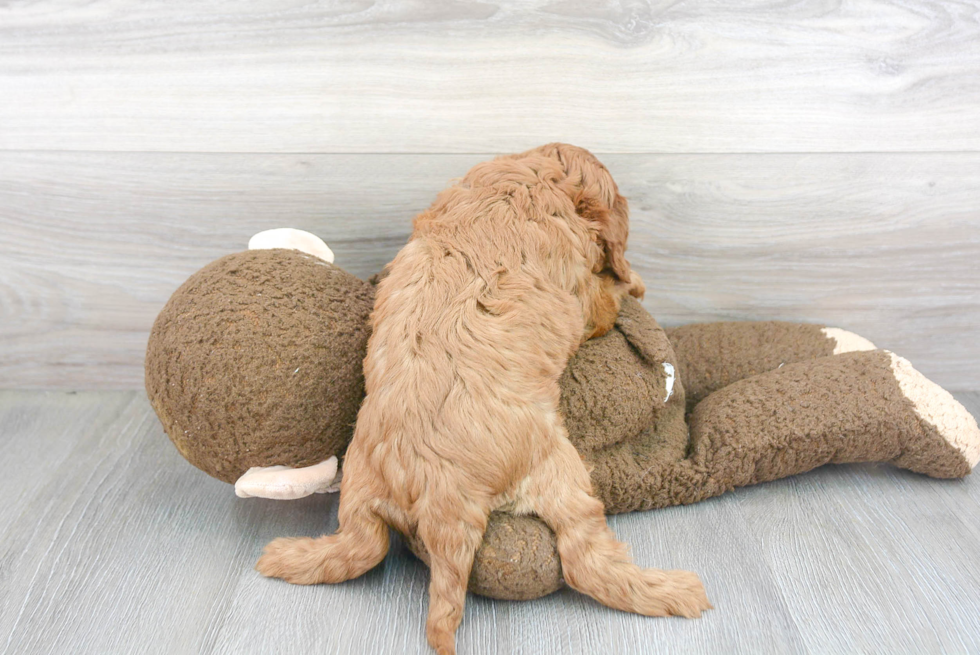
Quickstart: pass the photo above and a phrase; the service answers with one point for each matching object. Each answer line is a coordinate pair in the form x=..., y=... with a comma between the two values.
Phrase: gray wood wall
x=811, y=161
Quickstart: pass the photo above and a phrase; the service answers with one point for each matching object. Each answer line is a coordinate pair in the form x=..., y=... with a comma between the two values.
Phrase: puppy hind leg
x=359, y=545
x=451, y=537
x=593, y=561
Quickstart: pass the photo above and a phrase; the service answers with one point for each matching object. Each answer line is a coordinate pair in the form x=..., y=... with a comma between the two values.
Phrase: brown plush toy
x=253, y=367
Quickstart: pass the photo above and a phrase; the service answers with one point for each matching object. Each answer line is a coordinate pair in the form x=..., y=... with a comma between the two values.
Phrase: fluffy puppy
x=506, y=274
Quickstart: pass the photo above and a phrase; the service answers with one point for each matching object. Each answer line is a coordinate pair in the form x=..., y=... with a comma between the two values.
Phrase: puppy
x=505, y=275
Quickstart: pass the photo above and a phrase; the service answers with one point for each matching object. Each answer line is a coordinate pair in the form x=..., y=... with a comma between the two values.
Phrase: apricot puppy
x=506, y=274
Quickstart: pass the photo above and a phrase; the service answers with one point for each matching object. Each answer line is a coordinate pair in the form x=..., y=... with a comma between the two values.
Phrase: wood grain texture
x=876, y=547
x=114, y=544
x=451, y=76
x=888, y=246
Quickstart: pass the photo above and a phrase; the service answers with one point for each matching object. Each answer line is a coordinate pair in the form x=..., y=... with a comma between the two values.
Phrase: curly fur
x=506, y=274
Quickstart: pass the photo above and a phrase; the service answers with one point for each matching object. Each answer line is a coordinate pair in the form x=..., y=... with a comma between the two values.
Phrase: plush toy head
x=256, y=361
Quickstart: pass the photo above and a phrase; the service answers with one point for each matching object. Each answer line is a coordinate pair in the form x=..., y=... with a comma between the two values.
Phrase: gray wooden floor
x=114, y=544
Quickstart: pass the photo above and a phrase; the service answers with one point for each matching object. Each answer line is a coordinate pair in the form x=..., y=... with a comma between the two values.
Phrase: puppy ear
x=615, y=235
x=612, y=230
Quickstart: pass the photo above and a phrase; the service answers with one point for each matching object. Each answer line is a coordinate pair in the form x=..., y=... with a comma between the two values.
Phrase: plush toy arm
x=713, y=355
x=287, y=483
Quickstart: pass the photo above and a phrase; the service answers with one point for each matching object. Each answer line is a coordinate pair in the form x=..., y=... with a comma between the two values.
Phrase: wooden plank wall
x=811, y=161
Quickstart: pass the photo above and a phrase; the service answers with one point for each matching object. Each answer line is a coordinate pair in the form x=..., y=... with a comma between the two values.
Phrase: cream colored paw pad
x=937, y=406
x=847, y=342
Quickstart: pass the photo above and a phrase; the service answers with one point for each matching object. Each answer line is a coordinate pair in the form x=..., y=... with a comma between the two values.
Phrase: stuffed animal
x=253, y=367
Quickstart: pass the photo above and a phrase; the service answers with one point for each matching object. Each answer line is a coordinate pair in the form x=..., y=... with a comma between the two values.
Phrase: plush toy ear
x=291, y=239
x=288, y=483
x=612, y=229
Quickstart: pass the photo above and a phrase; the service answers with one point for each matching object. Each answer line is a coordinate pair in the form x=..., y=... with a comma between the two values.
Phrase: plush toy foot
x=286, y=483
x=942, y=418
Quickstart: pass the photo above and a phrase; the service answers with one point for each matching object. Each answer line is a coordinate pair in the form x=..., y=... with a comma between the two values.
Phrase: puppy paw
x=673, y=593
x=637, y=288
x=691, y=598
x=291, y=559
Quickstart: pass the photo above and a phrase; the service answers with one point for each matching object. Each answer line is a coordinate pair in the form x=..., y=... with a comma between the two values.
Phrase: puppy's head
x=597, y=201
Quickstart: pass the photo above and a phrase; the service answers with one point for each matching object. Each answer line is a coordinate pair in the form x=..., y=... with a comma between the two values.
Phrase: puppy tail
x=593, y=561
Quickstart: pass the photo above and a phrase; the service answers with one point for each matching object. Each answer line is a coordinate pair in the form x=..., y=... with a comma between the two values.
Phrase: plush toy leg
x=856, y=407
x=866, y=406
x=713, y=355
